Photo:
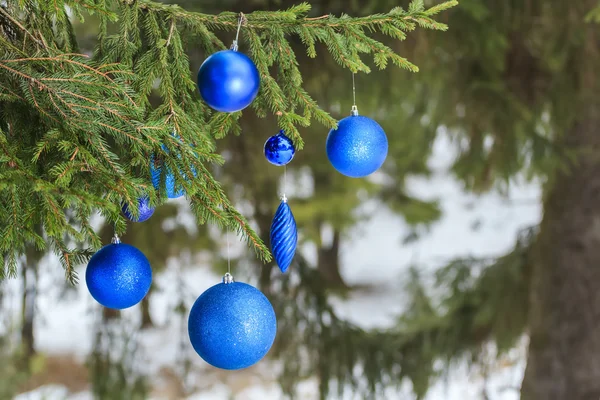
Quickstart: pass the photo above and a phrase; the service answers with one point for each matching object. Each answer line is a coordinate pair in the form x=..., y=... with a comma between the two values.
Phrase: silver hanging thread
x=228, y=278
x=283, y=198
x=241, y=20
x=354, y=108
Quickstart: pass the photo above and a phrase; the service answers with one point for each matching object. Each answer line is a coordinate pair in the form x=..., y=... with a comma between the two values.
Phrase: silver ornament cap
x=228, y=278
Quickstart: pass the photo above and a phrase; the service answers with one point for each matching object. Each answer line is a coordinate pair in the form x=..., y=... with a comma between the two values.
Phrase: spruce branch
x=86, y=129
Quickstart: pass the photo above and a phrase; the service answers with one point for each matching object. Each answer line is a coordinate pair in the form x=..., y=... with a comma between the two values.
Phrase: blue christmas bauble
x=144, y=207
x=228, y=81
x=279, y=149
x=118, y=276
x=284, y=236
x=358, y=147
x=232, y=325
x=173, y=190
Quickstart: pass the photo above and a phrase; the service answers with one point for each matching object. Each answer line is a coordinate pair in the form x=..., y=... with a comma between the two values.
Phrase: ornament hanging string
x=228, y=278
x=284, y=179
x=354, y=108
x=228, y=254
x=241, y=20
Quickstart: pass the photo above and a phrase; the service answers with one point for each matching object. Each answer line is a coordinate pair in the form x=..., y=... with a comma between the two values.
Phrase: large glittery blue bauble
x=144, y=207
x=232, y=325
x=118, y=276
x=358, y=147
x=284, y=236
x=279, y=149
x=228, y=81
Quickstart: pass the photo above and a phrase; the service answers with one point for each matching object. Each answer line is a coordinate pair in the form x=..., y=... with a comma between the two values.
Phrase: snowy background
x=372, y=253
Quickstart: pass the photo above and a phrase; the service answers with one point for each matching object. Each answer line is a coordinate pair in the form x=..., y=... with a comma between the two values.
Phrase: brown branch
x=171, y=29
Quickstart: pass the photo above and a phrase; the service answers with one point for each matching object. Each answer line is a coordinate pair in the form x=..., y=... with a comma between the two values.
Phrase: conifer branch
x=92, y=128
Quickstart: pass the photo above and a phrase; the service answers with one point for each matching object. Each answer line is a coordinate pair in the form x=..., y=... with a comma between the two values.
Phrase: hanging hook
x=228, y=278
x=241, y=20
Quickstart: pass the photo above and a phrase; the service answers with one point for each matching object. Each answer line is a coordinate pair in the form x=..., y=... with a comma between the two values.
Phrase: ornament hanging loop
x=228, y=278
x=115, y=239
x=241, y=20
x=354, y=110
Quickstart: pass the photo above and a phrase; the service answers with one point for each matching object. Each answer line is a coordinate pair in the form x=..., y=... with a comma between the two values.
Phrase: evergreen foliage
x=77, y=131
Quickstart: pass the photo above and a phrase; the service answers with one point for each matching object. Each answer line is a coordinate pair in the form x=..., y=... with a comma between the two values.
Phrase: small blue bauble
x=279, y=149
x=144, y=207
x=284, y=236
x=358, y=147
x=118, y=276
x=232, y=325
x=228, y=81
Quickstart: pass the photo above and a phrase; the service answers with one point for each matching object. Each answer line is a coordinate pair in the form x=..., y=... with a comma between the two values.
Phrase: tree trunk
x=564, y=307
x=145, y=309
x=28, y=310
x=110, y=314
x=328, y=263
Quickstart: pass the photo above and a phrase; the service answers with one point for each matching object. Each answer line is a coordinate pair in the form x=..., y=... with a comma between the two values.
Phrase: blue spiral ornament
x=232, y=325
x=284, y=236
x=173, y=189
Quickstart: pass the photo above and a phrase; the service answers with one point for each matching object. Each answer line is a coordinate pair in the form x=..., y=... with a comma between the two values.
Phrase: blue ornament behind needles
x=144, y=207
x=279, y=149
x=118, y=275
x=173, y=190
x=284, y=236
x=232, y=325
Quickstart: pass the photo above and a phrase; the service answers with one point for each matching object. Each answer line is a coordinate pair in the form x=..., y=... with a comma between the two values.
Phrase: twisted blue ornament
x=284, y=236
x=118, y=276
x=173, y=189
x=232, y=325
x=144, y=207
x=228, y=81
x=279, y=149
x=358, y=147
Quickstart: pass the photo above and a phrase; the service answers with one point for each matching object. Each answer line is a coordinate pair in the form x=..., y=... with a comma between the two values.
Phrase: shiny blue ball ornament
x=279, y=149
x=232, y=325
x=284, y=236
x=358, y=147
x=228, y=81
x=144, y=207
x=118, y=276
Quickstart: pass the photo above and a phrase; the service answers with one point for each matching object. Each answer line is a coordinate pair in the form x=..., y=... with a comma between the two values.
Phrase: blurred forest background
x=513, y=86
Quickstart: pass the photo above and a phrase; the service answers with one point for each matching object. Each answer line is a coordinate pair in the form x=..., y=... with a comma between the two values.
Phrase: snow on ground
x=373, y=253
